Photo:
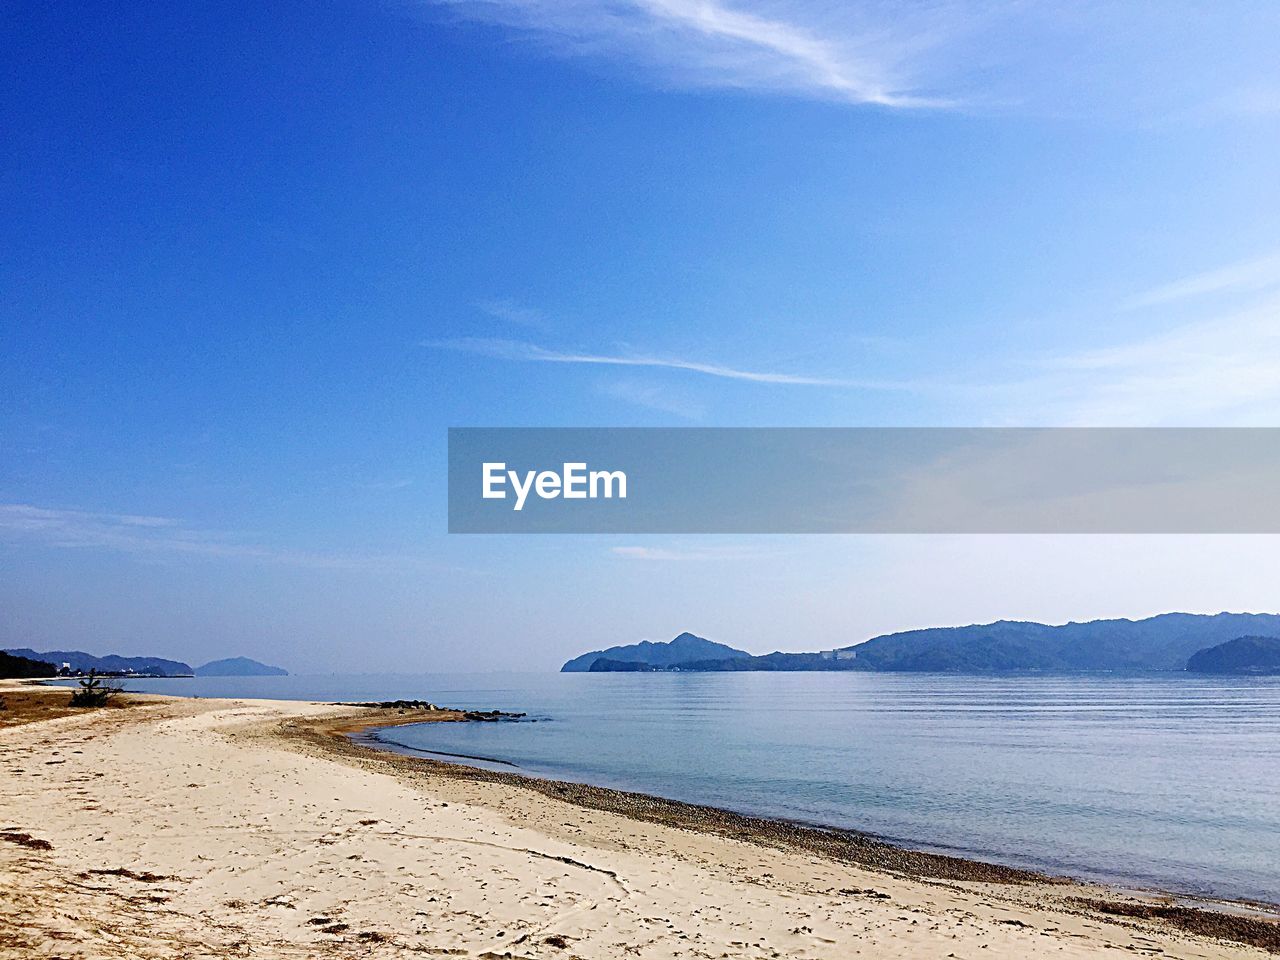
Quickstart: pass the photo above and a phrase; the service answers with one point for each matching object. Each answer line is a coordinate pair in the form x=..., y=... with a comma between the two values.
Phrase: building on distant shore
x=838, y=654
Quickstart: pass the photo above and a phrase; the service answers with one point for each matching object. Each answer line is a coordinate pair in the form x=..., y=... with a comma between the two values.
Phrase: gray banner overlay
x=864, y=480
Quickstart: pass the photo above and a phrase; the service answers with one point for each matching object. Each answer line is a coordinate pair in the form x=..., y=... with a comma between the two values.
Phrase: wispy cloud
x=1048, y=57
x=150, y=536
x=1220, y=368
x=1245, y=276
x=707, y=43
x=1217, y=371
x=532, y=353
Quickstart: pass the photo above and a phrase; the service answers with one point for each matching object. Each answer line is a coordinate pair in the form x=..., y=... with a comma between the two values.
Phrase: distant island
x=239, y=667
x=683, y=649
x=1246, y=655
x=1170, y=641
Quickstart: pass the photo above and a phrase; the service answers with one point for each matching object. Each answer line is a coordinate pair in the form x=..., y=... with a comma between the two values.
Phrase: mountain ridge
x=1163, y=642
x=685, y=646
x=112, y=663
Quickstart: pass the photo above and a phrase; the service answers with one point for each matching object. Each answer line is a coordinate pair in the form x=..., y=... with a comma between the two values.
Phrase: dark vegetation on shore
x=14, y=666
x=39, y=702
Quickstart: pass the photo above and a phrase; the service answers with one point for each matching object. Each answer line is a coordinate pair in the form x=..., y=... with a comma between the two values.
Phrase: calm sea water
x=1169, y=781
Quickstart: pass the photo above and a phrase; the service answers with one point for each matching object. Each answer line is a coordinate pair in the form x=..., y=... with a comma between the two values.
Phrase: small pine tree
x=93, y=692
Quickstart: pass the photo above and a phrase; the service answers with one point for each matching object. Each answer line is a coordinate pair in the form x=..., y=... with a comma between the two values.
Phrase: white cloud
x=792, y=47
x=79, y=528
x=1082, y=58
x=528, y=352
x=1246, y=276
x=1221, y=369
x=154, y=536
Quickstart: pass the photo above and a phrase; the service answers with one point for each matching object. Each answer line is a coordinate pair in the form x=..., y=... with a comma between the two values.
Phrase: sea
x=1154, y=781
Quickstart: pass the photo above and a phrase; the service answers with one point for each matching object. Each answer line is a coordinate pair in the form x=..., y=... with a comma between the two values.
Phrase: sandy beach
x=220, y=828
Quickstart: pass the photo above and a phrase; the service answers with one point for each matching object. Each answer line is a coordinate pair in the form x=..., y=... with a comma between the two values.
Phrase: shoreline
x=1229, y=917
x=182, y=828
x=853, y=846
x=849, y=842
x=366, y=737
x=861, y=847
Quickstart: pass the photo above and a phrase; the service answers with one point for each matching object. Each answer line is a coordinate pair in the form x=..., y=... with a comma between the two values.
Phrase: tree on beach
x=93, y=692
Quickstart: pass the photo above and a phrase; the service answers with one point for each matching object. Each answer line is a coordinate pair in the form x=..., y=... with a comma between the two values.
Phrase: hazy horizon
x=259, y=655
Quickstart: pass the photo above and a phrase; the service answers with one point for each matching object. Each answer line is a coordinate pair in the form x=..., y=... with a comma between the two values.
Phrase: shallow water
x=1170, y=781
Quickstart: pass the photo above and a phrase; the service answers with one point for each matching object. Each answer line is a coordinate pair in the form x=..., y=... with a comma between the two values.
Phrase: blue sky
x=254, y=262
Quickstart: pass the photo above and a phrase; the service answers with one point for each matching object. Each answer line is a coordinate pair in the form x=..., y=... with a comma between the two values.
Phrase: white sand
x=264, y=845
